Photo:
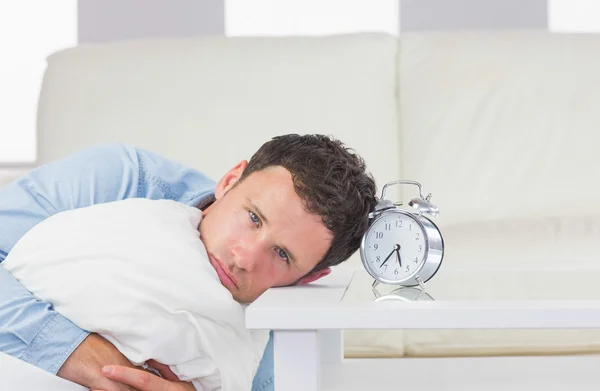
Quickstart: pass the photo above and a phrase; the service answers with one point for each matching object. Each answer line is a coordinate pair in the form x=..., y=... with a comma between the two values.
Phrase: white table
x=308, y=342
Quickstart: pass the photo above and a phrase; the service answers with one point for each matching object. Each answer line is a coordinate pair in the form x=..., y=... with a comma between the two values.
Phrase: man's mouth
x=226, y=279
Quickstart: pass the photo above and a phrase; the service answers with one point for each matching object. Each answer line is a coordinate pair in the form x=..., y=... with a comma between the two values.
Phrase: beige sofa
x=500, y=126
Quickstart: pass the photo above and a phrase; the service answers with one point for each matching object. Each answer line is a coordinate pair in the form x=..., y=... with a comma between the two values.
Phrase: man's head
x=298, y=207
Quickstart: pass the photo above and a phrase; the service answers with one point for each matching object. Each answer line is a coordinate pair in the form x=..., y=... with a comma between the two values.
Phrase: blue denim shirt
x=29, y=328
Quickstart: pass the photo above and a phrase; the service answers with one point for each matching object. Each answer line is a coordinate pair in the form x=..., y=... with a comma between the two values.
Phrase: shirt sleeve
x=29, y=328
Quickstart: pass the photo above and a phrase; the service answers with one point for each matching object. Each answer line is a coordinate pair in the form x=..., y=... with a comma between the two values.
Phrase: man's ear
x=313, y=276
x=230, y=179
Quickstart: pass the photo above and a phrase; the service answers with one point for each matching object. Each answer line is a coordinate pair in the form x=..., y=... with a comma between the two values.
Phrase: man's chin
x=241, y=298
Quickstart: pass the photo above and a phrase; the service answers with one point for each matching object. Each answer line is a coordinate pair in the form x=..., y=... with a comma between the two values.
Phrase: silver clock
x=401, y=246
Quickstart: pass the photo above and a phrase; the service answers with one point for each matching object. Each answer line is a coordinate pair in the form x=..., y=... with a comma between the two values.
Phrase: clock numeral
x=396, y=272
x=408, y=268
x=416, y=259
x=420, y=248
x=378, y=259
x=375, y=246
x=417, y=238
x=388, y=226
x=379, y=235
x=398, y=224
x=410, y=227
x=385, y=270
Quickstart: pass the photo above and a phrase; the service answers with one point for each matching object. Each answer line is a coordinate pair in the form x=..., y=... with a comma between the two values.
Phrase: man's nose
x=247, y=254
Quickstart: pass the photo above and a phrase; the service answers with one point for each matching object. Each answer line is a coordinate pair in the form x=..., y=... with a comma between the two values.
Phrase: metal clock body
x=402, y=247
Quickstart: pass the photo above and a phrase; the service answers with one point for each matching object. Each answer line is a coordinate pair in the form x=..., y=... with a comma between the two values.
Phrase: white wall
x=574, y=16
x=310, y=17
x=26, y=38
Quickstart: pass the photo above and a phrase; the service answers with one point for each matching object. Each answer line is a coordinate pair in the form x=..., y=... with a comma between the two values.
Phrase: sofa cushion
x=209, y=102
x=546, y=243
x=502, y=125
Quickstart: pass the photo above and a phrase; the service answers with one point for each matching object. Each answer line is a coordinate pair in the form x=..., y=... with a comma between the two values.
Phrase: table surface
x=454, y=299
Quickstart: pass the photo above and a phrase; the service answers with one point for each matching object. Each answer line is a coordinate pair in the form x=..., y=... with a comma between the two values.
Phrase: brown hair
x=332, y=181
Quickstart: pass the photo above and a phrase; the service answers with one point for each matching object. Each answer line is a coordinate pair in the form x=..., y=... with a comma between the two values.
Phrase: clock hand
x=388, y=257
x=396, y=247
x=398, y=256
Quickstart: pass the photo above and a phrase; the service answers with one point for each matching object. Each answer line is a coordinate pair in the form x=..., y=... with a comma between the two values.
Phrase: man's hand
x=144, y=381
x=85, y=364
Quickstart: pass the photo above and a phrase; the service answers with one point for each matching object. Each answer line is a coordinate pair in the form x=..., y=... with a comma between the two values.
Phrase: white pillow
x=136, y=272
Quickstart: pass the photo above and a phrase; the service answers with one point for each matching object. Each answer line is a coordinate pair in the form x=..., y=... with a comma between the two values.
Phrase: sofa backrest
x=499, y=126
x=210, y=102
x=502, y=125
x=8, y=175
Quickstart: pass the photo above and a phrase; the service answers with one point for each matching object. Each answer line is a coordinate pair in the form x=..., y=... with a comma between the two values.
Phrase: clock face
x=394, y=247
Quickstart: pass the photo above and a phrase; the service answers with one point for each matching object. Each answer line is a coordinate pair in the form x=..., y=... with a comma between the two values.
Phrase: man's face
x=258, y=234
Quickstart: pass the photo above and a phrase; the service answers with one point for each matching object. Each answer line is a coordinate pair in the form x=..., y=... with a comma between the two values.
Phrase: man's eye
x=254, y=218
x=282, y=255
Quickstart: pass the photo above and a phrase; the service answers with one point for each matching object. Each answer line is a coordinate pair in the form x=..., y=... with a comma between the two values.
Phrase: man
x=297, y=208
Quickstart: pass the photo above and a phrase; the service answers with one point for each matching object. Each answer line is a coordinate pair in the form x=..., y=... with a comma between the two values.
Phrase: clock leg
x=297, y=357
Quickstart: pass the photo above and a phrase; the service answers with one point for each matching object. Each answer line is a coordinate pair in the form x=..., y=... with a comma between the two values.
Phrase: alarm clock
x=402, y=246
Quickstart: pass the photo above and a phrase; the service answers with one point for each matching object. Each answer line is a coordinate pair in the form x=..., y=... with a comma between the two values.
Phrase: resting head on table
x=298, y=207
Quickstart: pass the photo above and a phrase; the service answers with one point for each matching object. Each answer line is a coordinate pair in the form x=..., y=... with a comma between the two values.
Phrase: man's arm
x=29, y=328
